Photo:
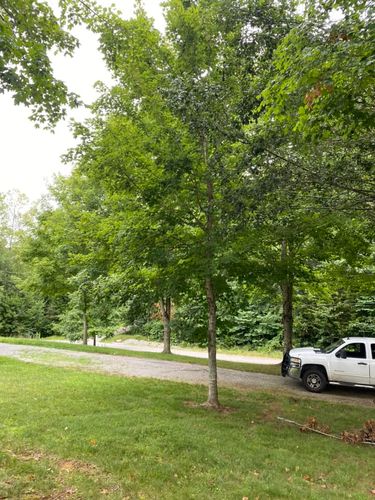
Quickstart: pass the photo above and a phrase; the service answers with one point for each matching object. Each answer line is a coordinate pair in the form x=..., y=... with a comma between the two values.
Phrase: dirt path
x=179, y=372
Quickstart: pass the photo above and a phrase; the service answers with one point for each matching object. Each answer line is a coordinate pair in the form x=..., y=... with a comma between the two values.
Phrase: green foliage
x=69, y=323
x=189, y=323
x=258, y=327
x=152, y=329
x=29, y=30
x=364, y=322
x=319, y=100
x=22, y=313
x=67, y=259
x=324, y=315
x=324, y=80
x=245, y=318
x=8, y=313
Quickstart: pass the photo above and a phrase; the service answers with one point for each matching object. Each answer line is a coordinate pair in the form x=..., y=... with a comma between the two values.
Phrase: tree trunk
x=85, y=328
x=287, y=292
x=94, y=340
x=287, y=295
x=213, y=396
x=213, y=393
x=165, y=307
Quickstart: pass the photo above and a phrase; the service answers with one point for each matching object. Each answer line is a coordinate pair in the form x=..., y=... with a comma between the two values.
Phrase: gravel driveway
x=179, y=372
x=151, y=346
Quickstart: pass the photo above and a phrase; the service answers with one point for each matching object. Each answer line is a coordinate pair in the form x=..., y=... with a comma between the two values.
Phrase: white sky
x=29, y=156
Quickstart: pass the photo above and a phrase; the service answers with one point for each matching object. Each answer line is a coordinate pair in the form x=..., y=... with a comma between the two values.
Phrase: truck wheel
x=314, y=380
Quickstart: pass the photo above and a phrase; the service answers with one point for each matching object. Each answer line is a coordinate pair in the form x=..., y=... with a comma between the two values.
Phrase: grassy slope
x=248, y=367
x=85, y=435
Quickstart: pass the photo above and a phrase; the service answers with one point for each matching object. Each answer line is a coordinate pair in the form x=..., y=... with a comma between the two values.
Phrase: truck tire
x=314, y=380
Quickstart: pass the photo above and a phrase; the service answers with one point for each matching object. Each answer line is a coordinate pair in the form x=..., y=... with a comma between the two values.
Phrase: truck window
x=332, y=347
x=355, y=350
x=373, y=350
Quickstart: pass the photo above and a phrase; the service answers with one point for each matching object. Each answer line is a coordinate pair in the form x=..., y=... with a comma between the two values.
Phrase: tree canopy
x=29, y=30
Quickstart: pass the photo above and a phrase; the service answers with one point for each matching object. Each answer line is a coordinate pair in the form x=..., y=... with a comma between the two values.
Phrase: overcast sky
x=29, y=156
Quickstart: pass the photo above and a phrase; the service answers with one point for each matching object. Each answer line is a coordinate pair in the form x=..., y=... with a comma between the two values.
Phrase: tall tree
x=65, y=249
x=219, y=89
x=167, y=145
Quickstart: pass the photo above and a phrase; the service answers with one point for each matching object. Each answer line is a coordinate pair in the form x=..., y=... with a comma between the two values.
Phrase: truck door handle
x=363, y=364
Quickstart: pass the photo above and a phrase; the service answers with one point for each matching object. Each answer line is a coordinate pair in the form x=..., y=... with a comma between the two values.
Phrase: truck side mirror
x=341, y=354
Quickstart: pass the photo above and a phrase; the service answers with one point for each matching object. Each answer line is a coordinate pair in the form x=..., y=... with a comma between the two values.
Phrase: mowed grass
x=71, y=434
x=273, y=369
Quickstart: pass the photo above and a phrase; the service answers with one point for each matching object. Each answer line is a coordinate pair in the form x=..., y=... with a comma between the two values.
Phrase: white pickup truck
x=349, y=361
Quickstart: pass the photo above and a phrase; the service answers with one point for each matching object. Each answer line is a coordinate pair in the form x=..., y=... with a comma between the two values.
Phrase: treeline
x=43, y=292
x=223, y=187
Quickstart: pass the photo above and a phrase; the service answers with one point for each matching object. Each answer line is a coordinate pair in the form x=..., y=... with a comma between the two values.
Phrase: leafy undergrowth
x=72, y=434
x=246, y=367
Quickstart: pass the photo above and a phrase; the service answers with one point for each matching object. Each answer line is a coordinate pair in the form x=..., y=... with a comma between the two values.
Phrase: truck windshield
x=333, y=346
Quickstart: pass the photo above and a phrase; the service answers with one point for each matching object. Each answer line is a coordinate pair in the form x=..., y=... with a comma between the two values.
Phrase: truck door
x=372, y=364
x=351, y=364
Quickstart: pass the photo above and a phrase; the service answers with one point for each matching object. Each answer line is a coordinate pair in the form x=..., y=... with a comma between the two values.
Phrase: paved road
x=180, y=372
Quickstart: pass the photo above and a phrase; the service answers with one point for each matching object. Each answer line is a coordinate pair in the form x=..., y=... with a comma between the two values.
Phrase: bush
x=152, y=329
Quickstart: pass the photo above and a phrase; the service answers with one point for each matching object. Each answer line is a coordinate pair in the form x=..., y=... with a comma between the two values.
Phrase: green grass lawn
x=248, y=367
x=78, y=435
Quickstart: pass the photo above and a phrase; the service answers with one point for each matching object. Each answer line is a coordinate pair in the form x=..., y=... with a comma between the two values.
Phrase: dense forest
x=222, y=190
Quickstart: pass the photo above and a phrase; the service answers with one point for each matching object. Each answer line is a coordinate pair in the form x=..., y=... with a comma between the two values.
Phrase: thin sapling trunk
x=85, y=333
x=213, y=396
x=165, y=307
x=85, y=328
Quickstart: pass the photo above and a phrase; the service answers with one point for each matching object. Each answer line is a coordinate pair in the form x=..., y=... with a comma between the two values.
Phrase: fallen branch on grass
x=312, y=428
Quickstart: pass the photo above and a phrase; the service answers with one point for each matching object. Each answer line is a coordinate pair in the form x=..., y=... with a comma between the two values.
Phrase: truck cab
x=349, y=361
